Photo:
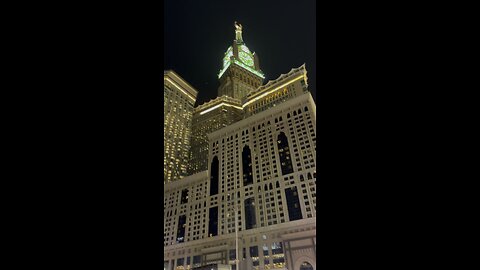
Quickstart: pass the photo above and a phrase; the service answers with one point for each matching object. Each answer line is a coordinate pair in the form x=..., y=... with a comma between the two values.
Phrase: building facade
x=249, y=201
x=179, y=100
x=285, y=87
x=264, y=169
x=207, y=118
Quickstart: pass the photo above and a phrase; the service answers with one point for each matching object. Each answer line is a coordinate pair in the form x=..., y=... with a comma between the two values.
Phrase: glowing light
x=245, y=48
x=223, y=70
x=249, y=69
x=247, y=59
x=271, y=91
x=179, y=88
x=228, y=54
x=218, y=106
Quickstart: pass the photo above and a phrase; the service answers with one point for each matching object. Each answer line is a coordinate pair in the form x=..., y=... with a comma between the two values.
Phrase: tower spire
x=238, y=32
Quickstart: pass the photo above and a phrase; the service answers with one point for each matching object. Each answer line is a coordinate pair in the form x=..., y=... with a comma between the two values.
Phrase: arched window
x=247, y=166
x=306, y=266
x=294, y=113
x=299, y=111
x=214, y=173
x=306, y=108
x=288, y=115
x=277, y=185
x=284, y=154
x=301, y=178
x=270, y=186
x=309, y=176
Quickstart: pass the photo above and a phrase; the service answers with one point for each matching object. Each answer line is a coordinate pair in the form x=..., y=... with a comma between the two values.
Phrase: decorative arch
x=302, y=259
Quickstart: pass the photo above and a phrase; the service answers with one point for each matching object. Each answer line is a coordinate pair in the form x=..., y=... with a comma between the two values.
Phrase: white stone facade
x=273, y=241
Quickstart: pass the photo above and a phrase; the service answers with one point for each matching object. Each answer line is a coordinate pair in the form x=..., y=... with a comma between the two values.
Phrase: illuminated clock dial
x=246, y=58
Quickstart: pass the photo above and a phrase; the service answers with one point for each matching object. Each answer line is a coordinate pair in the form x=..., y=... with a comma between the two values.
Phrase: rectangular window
x=250, y=215
x=213, y=221
x=254, y=252
x=184, y=198
x=181, y=229
x=293, y=203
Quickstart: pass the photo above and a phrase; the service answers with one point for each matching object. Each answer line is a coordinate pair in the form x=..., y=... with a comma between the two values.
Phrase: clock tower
x=240, y=72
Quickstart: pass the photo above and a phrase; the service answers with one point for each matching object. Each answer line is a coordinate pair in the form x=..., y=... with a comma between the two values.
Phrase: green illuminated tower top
x=241, y=72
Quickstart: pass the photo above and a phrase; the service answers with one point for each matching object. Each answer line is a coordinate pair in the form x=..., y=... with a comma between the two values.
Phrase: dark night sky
x=197, y=34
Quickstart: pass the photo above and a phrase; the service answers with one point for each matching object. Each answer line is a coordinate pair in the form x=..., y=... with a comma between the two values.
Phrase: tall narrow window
x=294, y=210
x=184, y=198
x=182, y=220
x=247, y=166
x=284, y=154
x=250, y=216
x=214, y=177
x=213, y=221
x=254, y=255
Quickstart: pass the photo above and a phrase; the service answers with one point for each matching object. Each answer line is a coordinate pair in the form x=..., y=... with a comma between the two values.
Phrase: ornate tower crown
x=240, y=55
x=238, y=32
x=240, y=73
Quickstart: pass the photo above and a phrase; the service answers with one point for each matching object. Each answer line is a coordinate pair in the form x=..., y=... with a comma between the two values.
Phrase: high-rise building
x=250, y=197
x=224, y=110
x=241, y=72
x=260, y=182
x=207, y=118
x=285, y=87
x=179, y=99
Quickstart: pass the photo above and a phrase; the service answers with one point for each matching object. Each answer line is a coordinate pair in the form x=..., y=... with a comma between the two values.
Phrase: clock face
x=245, y=48
x=246, y=58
